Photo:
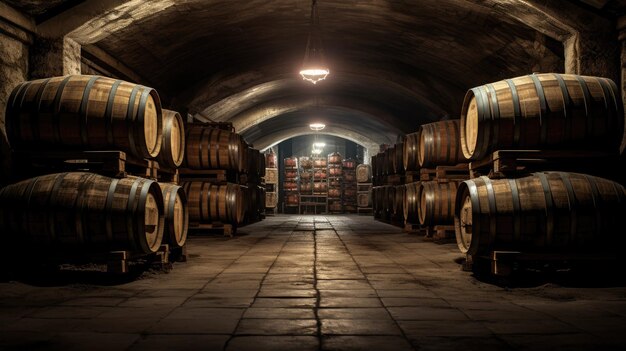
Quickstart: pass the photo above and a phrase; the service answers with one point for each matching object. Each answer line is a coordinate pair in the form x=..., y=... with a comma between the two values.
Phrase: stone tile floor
x=311, y=283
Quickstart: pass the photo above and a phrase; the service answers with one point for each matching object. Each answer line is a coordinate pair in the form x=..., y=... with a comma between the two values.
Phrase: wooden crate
x=271, y=176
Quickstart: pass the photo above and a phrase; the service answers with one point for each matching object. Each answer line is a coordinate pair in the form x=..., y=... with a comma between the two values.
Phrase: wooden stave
x=410, y=150
x=90, y=128
x=170, y=236
x=439, y=144
x=437, y=201
x=120, y=201
x=398, y=202
x=480, y=192
x=205, y=207
x=166, y=157
x=200, y=150
x=550, y=138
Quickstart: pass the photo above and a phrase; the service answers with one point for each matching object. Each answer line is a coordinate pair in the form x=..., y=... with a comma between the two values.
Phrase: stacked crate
x=306, y=175
x=389, y=178
x=290, y=186
x=349, y=186
x=86, y=173
x=335, y=183
x=364, y=188
x=271, y=183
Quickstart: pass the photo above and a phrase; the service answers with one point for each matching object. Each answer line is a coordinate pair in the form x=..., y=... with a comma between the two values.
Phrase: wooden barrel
x=397, y=163
x=335, y=170
x=348, y=163
x=364, y=173
x=306, y=162
x=319, y=174
x=439, y=144
x=83, y=212
x=335, y=182
x=291, y=162
x=173, y=142
x=290, y=185
x=306, y=175
x=364, y=200
x=388, y=160
x=306, y=187
x=271, y=161
x=377, y=201
x=211, y=148
x=320, y=187
x=390, y=196
x=398, y=202
x=437, y=203
x=271, y=200
x=334, y=192
x=176, y=214
x=85, y=112
x=262, y=164
x=542, y=111
x=373, y=165
x=552, y=212
x=210, y=202
x=292, y=199
x=320, y=162
x=335, y=158
x=412, y=200
x=252, y=166
x=291, y=173
x=349, y=193
x=349, y=176
x=410, y=152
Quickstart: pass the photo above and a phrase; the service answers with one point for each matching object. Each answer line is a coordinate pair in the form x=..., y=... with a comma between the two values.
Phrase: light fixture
x=319, y=145
x=314, y=66
x=315, y=151
x=317, y=126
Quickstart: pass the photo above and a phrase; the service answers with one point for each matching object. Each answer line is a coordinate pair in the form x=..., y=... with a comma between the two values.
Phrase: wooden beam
x=17, y=18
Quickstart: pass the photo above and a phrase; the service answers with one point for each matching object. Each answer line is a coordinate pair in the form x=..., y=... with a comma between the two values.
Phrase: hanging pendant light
x=314, y=68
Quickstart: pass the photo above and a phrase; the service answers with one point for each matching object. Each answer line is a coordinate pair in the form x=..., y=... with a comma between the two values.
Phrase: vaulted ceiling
x=395, y=64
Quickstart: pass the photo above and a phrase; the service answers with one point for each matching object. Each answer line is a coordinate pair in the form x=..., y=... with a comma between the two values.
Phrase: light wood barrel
x=377, y=201
x=83, y=212
x=364, y=173
x=410, y=151
x=271, y=200
x=173, y=143
x=552, y=212
x=412, y=200
x=542, y=111
x=212, y=148
x=86, y=112
x=439, y=144
x=175, y=213
x=364, y=200
x=209, y=202
x=437, y=203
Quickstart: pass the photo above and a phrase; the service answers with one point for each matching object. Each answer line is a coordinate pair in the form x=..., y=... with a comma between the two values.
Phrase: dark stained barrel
x=175, y=213
x=440, y=145
x=398, y=202
x=83, y=212
x=542, y=111
x=397, y=162
x=173, y=143
x=209, y=202
x=363, y=173
x=412, y=200
x=552, y=212
x=437, y=203
x=212, y=148
x=85, y=112
x=410, y=152
x=271, y=161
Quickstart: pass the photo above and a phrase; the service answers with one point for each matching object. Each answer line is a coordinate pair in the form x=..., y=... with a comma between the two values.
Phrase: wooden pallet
x=167, y=175
x=445, y=173
x=506, y=263
x=210, y=175
x=226, y=229
x=411, y=176
x=412, y=228
x=515, y=163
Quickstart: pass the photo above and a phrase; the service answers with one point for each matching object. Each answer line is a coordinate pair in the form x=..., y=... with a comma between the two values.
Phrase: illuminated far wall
x=302, y=146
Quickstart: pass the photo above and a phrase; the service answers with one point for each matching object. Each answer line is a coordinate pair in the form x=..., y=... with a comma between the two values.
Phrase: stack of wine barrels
x=549, y=211
x=290, y=183
x=306, y=175
x=349, y=187
x=271, y=182
x=212, y=200
x=389, y=171
x=80, y=113
x=254, y=186
x=335, y=183
x=364, y=187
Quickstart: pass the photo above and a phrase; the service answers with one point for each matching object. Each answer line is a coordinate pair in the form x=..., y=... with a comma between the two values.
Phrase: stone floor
x=311, y=283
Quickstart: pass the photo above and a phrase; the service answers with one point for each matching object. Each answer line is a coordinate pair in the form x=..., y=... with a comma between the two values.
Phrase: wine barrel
x=388, y=158
x=348, y=163
x=437, y=203
x=380, y=164
x=319, y=162
x=349, y=176
x=410, y=152
x=319, y=174
x=335, y=170
x=85, y=112
x=291, y=162
x=292, y=199
x=83, y=212
x=349, y=192
x=211, y=148
x=373, y=165
x=261, y=165
x=320, y=187
x=398, y=202
x=176, y=214
x=542, y=111
x=173, y=143
x=364, y=200
x=363, y=173
x=439, y=144
x=335, y=158
x=291, y=173
x=306, y=175
x=290, y=185
x=397, y=163
x=252, y=166
x=390, y=196
x=306, y=187
x=210, y=202
x=377, y=201
x=306, y=162
x=271, y=161
x=334, y=192
x=412, y=200
x=553, y=212
x=271, y=200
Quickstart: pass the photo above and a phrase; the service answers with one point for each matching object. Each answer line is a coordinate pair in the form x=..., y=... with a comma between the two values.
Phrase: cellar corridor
x=311, y=283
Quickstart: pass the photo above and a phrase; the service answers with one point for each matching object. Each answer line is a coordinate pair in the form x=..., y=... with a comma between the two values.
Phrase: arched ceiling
x=394, y=64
